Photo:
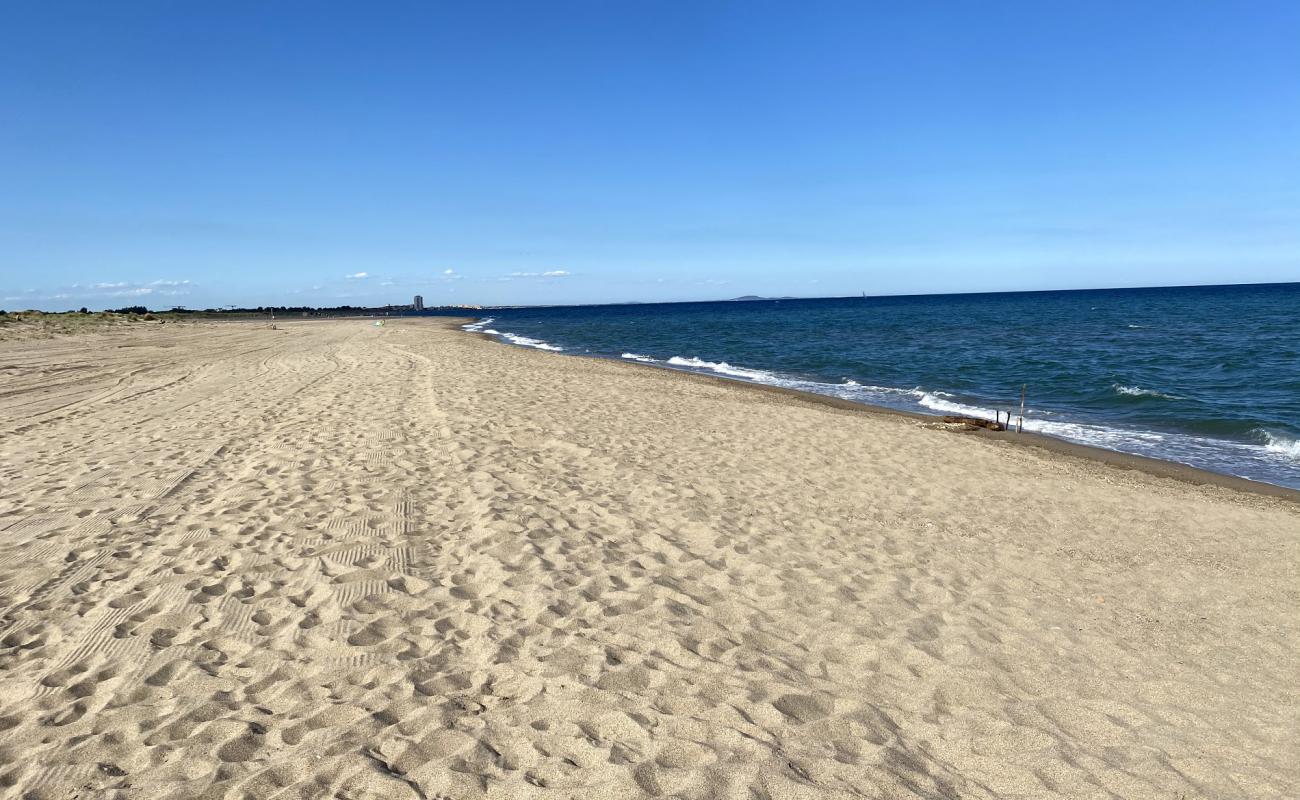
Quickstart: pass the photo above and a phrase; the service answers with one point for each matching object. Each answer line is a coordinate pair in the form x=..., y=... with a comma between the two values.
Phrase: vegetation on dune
x=33, y=324
x=45, y=325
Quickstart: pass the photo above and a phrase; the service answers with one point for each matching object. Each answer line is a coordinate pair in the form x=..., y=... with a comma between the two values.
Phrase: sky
x=478, y=152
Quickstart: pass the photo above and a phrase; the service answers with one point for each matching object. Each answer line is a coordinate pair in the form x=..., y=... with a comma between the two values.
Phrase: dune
x=339, y=560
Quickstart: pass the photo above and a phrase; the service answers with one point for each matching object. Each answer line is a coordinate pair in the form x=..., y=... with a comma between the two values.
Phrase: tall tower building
x=419, y=303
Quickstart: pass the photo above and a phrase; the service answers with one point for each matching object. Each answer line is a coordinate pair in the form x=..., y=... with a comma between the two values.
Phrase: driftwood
x=975, y=422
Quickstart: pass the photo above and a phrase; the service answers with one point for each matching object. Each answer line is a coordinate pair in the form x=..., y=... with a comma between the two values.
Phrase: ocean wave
x=525, y=341
x=723, y=368
x=479, y=325
x=1083, y=433
x=854, y=387
x=934, y=402
x=1283, y=446
x=848, y=389
x=1138, y=391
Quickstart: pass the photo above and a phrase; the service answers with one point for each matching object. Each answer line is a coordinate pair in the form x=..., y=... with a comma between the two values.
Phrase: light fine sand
x=340, y=561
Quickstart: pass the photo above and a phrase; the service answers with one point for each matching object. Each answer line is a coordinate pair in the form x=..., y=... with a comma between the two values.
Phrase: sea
x=1207, y=376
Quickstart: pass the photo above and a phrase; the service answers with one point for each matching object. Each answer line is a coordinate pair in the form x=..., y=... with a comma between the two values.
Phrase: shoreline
x=1156, y=467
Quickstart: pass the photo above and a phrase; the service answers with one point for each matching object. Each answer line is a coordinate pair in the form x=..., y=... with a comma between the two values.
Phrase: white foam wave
x=644, y=359
x=847, y=389
x=525, y=341
x=1096, y=435
x=1281, y=445
x=723, y=368
x=1138, y=391
x=481, y=326
x=478, y=326
x=934, y=402
x=851, y=387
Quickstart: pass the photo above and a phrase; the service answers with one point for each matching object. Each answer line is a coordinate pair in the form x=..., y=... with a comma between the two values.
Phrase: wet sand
x=335, y=560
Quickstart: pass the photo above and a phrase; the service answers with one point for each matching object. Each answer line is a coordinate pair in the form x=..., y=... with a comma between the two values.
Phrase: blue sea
x=1207, y=376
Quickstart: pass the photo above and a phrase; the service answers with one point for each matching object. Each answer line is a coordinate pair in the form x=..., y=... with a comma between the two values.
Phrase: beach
x=341, y=560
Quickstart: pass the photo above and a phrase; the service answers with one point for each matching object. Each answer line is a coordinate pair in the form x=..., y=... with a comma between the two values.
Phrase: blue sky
x=480, y=152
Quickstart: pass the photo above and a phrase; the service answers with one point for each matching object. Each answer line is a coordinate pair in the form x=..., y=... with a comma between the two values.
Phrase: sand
x=335, y=560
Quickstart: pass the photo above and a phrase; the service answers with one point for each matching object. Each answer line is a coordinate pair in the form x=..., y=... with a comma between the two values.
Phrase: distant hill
x=752, y=297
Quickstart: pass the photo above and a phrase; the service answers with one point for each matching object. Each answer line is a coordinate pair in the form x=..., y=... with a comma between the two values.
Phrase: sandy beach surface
x=340, y=561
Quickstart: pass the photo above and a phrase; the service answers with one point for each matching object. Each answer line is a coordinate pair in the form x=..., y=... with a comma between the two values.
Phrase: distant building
x=419, y=303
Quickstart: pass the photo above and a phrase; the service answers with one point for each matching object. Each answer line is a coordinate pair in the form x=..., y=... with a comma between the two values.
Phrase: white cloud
x=103, y=289
x=449, y=272
x=357, y=276
x=554, y=273
x=163, y=286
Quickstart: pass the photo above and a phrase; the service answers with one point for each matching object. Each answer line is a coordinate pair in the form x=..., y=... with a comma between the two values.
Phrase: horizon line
x=882, y=296
x=759, y=298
